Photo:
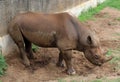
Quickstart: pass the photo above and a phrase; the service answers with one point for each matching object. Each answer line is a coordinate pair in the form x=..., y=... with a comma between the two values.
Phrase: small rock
x=114, y=69
x=99, y=76
x=109, y=24
x=118, y=73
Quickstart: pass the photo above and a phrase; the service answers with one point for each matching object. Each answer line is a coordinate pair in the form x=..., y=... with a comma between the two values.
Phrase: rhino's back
x=44, y=29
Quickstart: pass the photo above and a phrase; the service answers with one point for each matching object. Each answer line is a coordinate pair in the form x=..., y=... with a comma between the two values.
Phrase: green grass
x=3, y=65
x=118, y=34
x=95, y=80
x=116, y=59
x=61, y=80
x=91, y=12
x=73, y=81
x=34, y=48
x=106, y=80
x=113, y=3
x=109, y=52
x=118, y=18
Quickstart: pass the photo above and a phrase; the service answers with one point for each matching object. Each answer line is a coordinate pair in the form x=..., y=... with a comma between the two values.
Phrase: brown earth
x=107, y=27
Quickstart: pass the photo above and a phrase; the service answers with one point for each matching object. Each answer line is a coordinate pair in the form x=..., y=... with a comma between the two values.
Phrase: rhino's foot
x=31, y=68
x=60, y=65
x=26, y=62
x=71, y=71
x=31, y=56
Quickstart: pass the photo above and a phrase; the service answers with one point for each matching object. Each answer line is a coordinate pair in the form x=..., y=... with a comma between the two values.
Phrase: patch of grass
x=115, y=80
x=62, y=80
x=116, y=59
x=3, y=65
x=97, y=80
x=116, y=62
x=109, y=52
x=118, y=34
x=118, y=19
x=73, y=81
x=34, y=48
x=106, y=80
x=89, y=14
x=114, y=4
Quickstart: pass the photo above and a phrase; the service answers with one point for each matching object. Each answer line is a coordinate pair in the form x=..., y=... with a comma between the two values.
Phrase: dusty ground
x=107, y=27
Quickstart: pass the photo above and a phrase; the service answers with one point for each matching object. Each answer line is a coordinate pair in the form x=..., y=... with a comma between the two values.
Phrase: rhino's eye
x=96, y=57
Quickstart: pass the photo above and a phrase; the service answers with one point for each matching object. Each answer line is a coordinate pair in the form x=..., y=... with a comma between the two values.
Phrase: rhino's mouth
x=95, y=62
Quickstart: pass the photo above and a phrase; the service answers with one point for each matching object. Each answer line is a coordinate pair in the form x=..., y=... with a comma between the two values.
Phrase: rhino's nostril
x=96, y=57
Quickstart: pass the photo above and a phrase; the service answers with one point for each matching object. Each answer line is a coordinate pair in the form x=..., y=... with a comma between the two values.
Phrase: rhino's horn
x=108, y=59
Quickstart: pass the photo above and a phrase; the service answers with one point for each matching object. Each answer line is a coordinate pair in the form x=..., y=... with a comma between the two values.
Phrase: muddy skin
x=60, y=31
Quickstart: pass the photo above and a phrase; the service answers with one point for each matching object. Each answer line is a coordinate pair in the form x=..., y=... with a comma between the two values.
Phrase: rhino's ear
x=89, y=40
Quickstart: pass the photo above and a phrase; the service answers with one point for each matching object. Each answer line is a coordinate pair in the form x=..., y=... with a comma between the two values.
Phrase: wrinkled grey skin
x=55, y=30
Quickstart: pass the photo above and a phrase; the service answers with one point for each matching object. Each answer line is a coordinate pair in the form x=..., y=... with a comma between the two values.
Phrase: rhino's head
x=95, y=56
x=92, y=50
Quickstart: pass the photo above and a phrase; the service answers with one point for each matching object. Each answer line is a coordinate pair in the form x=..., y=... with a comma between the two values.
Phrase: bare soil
x=106, y=26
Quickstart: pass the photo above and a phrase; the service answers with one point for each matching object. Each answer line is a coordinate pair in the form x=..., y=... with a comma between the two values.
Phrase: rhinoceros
x=60, y=30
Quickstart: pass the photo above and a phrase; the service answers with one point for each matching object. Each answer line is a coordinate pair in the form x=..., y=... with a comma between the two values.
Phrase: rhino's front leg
x=60, y=59
x=67, y=56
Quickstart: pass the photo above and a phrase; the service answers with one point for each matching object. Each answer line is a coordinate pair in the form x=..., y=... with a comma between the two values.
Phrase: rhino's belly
x=43, y=39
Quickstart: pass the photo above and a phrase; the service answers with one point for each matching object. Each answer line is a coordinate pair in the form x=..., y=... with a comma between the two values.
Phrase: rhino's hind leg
x=24, y=57
x=67, y=56
x=23, y=53
x=60, y=59
x=18, y=39
x=28, y=48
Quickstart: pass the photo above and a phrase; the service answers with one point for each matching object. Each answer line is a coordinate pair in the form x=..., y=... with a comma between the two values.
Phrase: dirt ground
x=107, y=27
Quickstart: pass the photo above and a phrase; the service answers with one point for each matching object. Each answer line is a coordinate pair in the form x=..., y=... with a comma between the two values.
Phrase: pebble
x=118, y=73
x=99, y=76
